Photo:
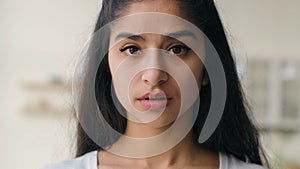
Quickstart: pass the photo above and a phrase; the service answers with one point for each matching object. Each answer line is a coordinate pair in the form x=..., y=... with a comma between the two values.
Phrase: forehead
x=153, y=23
x=162, y=6
x=140, y=23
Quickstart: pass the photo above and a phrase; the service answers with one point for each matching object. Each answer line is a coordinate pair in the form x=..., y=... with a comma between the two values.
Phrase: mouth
x=154, y=101
x=161, y=98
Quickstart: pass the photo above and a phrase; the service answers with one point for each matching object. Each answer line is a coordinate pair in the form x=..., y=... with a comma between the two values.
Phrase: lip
x=154, y=101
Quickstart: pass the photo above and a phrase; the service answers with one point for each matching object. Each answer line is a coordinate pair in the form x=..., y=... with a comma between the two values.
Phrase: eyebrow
x=173, y=35
x=179, y=34
x=130, y=36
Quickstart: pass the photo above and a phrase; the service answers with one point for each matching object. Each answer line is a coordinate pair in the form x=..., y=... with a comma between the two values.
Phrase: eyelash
x=126, y=49
x=182, y=47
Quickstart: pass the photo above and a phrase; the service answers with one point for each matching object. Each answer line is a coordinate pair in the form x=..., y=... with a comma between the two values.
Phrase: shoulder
x=230, y=162
x=87, y=161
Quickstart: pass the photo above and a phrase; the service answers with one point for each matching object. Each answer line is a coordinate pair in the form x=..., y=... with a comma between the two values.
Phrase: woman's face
x=152, y=90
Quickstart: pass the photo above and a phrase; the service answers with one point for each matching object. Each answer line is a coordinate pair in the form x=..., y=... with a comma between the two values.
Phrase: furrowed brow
x=180, y=34
x=130, y=36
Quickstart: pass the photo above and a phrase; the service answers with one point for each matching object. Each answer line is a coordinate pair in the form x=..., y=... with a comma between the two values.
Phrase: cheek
x=113, y=62
x=197, y=68
x=134, y=85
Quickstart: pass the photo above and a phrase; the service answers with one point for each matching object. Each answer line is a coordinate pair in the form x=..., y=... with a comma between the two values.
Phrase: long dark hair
x=235, y=134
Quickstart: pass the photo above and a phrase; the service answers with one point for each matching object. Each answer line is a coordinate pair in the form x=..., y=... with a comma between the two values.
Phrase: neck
x=182, y=154
x=186, y=153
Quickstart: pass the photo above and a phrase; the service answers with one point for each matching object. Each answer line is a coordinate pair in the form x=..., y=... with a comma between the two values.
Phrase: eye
x=179, y=50
x=130, y=50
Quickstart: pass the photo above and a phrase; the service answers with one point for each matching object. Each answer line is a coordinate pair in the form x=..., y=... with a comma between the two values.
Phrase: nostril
x=154, y=77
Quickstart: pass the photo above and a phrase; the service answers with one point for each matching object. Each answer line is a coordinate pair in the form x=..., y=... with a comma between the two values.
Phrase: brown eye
x=179, y=50
x=130, y=50
x=176, y=50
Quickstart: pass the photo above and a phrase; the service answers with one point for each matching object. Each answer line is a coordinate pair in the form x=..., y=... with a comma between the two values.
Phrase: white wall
x=263, y=28
x=38, y=40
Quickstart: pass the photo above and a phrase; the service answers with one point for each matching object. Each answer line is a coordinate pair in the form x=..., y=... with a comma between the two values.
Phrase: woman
x=141, y=92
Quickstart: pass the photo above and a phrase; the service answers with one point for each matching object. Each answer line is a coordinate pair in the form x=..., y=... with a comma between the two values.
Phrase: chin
x=162, y=122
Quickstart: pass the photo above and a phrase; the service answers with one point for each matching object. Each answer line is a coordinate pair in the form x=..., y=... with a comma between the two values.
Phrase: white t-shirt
x=89, y=161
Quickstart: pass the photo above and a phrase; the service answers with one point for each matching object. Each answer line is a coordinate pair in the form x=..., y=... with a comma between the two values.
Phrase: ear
x=205, y=79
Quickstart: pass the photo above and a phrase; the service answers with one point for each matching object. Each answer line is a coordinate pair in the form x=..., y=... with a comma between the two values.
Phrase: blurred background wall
x=40, y=39
x=265, y=39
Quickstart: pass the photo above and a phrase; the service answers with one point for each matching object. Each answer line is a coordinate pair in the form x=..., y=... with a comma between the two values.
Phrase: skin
x=154, y=79
x=187, y=154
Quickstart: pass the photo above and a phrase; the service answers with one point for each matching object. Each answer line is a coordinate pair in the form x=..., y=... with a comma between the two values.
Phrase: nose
x=154, y=77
